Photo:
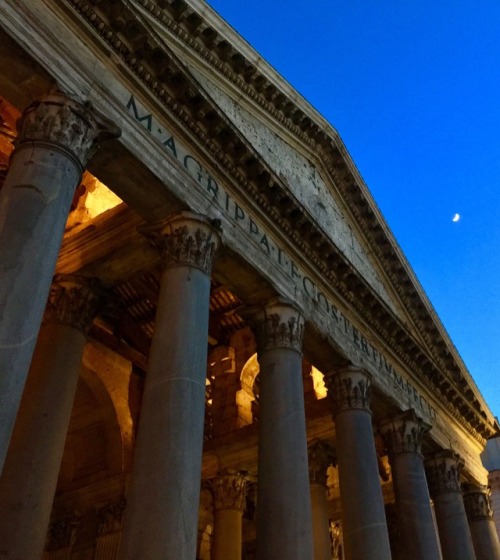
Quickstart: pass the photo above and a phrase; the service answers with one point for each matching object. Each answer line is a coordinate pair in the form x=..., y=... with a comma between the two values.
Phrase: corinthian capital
x=349, y=388
x=477, y=502
x=66, y=124
x=404, y=433
x=321, y=455
x=185, y=239
x=73, y=301
x=278, y=325
x=443, y=472
x=229, y=491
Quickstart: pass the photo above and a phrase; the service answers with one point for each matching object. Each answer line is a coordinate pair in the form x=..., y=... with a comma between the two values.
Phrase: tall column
x=321, y=456
x=363, y=515
x=491, y=461
x=403, y=438
x=55, y=139
x=29, y=478
x=443, y=476
x=109, y=530
x=229, y=491
x=482, y=527
x=161, y=517
x=284, y=525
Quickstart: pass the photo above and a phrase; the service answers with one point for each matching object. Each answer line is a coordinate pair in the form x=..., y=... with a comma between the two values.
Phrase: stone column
x=29, y=478
x=443, y=476
x=229, y=491
x=321, y=456
x=491, y=461
x=482, y=527
x=161, y=517
x=55, y=139
x=363, y=515
x=284, y=524
x=60, y=538
x=403, y=438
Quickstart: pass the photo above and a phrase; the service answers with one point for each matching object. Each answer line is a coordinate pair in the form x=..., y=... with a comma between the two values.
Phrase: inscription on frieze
x=301, y=282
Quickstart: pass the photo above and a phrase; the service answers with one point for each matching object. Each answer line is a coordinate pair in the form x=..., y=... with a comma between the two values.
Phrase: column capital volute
x=74, y=301
x=477, y=501
x=349, y=388
x=185, y=239
x=278, y=324
x=403, y=433
x=321, y=455
x=229, y=490
x=443, y=471
x=65, y=124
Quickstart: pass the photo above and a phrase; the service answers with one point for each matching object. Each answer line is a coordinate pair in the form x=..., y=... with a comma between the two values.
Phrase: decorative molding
x=185, y=239
x=65, y=123
x=62, y=532
x=229, y=491
x=109, y=517
x=404, y=433
x=278, y=325
x=477, y=502
x=321, y=455
x=349, y=388
x=74, y=301
x=443, y=471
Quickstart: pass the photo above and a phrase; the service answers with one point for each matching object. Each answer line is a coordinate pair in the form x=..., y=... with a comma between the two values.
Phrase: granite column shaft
x=284, y=524
x=363, y=515
x=161, y=517
x=443, y=476
x=403, y=438
x=55, y=139
x=482, y=526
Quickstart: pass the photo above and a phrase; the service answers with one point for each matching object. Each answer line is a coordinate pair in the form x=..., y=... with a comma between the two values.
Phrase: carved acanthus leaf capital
x=185, y=239
x=278, y=325
x=110, y=517
x=229, y=491
x=404, y=433
x=477, y=502
x=62, y=532
x=443, y=471
x=74, y=301
x=321, y=455
x=349, y=388
x=66, y=124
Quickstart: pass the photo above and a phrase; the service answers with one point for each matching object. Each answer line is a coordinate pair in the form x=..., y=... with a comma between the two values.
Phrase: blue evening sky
x=413, y=88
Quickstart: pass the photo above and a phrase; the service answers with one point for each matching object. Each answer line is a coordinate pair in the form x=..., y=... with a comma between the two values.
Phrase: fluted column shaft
x=55, y=139
x=29, y=478
x=403, y=438
x=229, y=492
x=161, y=517
x=321, y=456
x=482, y=526
x=363, y=515
x=443, y=476
x=284, y=526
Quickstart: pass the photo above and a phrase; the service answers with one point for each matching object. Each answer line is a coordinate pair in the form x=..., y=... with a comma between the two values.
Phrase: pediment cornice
x=159, y=72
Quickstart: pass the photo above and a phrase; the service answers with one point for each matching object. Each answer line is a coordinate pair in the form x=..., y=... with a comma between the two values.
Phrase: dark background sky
x=413, y=89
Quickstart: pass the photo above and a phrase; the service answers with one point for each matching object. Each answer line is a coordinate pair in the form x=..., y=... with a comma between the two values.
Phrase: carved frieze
x=229, y=491
x=477, y=502
x=443, y=471
x=74, y=301
x=65, y=123
x=404, y=433
x=321, y=455
x=185, y=239
x=278, y=325
x=349, y=388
